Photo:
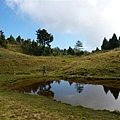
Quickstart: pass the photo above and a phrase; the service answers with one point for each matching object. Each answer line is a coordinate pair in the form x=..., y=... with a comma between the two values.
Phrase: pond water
x=87, y=95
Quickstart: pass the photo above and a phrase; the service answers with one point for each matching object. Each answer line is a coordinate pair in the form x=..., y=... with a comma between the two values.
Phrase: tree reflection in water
x=79, y=87
x=68, y=92
x=40, y=88
x=44, y=88
x=114, y=91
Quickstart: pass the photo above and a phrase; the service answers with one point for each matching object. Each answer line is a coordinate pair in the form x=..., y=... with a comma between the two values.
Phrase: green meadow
x=96, y=68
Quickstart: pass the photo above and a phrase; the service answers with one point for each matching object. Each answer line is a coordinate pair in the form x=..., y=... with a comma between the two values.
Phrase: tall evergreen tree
x=70, y=51
x=105, y=44
x=19, y=40
x=2, y=39
x=113, y=42
x=11, y=39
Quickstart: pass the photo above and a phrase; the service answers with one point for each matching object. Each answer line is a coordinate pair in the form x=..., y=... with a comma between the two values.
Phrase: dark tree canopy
x=105, y=44
x=19, y=39
x=70, y=51
x=44, y=38
x=111, y=44
x=3, y=42
x=11, y=39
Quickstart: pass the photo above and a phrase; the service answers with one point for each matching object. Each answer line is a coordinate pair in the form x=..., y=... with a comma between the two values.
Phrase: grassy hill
x=14, y=66
x=102, y=64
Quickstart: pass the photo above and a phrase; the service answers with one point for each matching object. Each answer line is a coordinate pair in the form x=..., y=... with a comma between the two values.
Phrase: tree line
x=41, y=46
x=110, y=44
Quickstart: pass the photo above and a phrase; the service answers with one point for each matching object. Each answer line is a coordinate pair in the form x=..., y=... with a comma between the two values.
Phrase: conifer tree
x=105, y=44
x=113, y=42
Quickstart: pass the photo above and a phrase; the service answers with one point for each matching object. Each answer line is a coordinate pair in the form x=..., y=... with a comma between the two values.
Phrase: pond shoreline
x=49, y=102
x=71, y=92
x=107, y=81
x=90, y=77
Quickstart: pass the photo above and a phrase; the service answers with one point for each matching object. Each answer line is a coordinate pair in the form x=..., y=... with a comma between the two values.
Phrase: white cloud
x=93, y=19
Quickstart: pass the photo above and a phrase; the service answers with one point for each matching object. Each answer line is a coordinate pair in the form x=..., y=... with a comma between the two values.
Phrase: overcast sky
x=69, y=20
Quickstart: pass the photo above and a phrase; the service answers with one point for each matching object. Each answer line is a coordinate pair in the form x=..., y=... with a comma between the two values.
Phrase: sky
x=67, y=20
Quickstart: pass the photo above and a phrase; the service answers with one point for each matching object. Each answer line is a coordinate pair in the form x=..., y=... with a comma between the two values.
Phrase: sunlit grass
x=15, y=66
x=102, y=64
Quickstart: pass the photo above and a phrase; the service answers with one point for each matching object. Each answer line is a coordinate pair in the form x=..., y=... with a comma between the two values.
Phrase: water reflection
x=114, y=91
x=41, y=88
x=93, y=96
x=44, y=88
x=79, y=87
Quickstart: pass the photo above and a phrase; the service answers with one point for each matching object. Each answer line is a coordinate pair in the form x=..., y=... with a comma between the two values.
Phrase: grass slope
x=105, y=64
x=18, y=106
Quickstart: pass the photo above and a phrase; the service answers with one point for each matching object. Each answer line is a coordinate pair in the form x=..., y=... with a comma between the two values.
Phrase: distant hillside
x=102, y=64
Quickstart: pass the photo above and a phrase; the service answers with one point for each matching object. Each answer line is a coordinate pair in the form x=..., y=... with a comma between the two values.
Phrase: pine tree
x=105, y=44
x=44, y=38
x=11, y=39
x=3, y=42
x=113, y=42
